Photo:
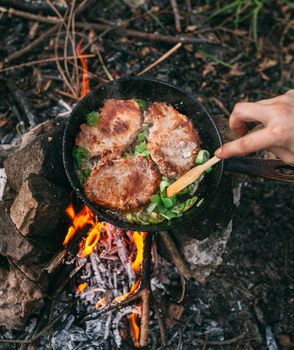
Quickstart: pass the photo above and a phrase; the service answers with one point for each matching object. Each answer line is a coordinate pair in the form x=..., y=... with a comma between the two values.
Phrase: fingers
x=249, y=143
x=247, y=112
x=283, y=154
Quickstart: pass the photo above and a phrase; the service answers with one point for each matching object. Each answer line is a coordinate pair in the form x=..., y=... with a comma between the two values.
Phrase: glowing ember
x=80, y=220
x=81, y=287
x=138, y=238
x=101, y=303
x=132, y=290
x=85, y=82
x=135, y=329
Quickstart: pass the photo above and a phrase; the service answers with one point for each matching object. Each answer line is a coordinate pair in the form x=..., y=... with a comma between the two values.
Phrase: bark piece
x=41, y=155
x=19, y=300
x=38, y=207
x=12, y=243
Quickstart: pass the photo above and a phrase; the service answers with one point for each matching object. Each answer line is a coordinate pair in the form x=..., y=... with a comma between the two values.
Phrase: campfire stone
x=19, y=298
x=39, y=154
x=12, y=243
x=38, y=207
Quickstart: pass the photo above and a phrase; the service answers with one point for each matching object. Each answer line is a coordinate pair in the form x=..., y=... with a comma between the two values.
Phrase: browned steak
x=173, y=142
x=119, y=124
x=122, y=184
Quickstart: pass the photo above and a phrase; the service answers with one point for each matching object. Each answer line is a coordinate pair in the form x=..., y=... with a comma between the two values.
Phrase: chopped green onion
x=141, y=147
x=142, y=104
x=86, y=172
x=193, y=188
x=161, y=208
x=141, y=137
x=155, y=218
x=202, y=156
x=145, y=130
x=163, y=185
x=92, y=118
x=129, y=217
x=208, y=170
x=155, y=199
x=169, y=202
x=143, y=154
x=182, y=207
x=150, y=208
x=185, y=190
x=168, y=215
x=125, y=155
x=200, y=202
x=79, y=154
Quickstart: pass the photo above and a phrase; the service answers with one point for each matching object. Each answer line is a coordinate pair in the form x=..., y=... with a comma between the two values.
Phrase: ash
x=98, y=280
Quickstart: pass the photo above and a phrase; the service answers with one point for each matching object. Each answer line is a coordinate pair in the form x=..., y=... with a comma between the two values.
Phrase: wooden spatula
x=191, y=176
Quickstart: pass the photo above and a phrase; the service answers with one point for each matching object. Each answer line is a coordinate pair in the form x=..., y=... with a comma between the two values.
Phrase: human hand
x=275, y=115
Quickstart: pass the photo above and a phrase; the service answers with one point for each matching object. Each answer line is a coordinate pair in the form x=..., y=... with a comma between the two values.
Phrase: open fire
x=105, y=245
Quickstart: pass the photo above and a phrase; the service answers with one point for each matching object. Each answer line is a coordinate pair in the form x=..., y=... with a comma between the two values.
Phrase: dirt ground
x=238, y=57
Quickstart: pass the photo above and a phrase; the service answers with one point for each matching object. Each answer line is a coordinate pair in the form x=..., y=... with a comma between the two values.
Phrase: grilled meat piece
x=122, y=184
x=173, y=142
x=119, y=124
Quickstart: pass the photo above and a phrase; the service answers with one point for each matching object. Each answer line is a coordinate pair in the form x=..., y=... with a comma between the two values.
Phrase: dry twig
x=31, y=45
x=176, y=257
x=162, y=58
x=42, y=61
x=175, y=8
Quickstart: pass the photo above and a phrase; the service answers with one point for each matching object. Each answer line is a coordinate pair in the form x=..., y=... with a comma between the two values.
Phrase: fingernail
x=218, y=152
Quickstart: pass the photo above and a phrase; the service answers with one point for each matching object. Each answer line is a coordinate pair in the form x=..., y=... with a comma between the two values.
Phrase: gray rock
x=38, y=207
x=19, y=298
x=39, y=154
x=12, y=243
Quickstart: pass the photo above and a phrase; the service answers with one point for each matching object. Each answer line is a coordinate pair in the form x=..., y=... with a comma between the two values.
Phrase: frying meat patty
x=122, y=184
x=119, y=124
x=173, y=142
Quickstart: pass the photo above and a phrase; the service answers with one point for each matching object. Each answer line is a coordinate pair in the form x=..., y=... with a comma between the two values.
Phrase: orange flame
x=138, y=238
x=81, y=219
x=70, y=211
x=132, y=290
x=81, y=287
x=85, y=82
x=135, y=329
x=92, y=239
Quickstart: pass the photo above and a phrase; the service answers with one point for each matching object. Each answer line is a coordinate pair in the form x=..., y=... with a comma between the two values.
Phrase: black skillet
x=154, y=90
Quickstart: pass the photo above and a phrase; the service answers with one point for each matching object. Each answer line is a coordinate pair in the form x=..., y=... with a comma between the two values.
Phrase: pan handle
x=268, y=168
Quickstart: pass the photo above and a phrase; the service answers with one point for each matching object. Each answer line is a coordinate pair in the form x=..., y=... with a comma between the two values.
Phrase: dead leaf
x=236, y=71
x=174, y=313
x=191, y=28
x=285, y=341
x=266, y=64
x=264, y=76
x=208, y=68
x=3, y=121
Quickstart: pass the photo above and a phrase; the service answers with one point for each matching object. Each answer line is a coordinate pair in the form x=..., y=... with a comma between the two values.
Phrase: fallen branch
x=184, y=39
